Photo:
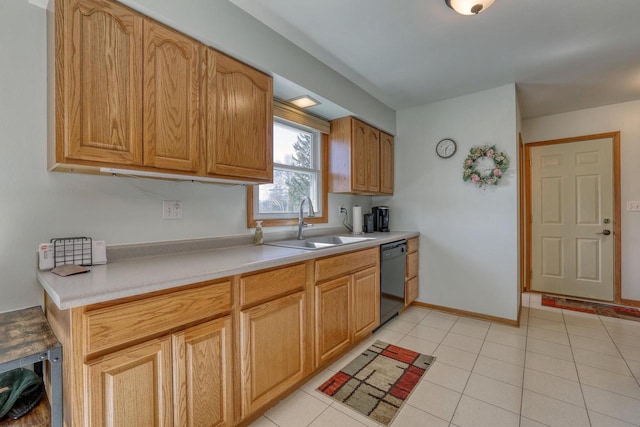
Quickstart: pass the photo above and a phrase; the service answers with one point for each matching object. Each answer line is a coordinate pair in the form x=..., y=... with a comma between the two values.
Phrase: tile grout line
x=434, y=351
x=470, y=371
x=571, y=348
x=575, y=364
x=618, y=348
x=459, y=320
x=524, y=368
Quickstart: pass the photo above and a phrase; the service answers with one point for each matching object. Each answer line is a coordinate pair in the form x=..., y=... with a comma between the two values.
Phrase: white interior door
x=572, y=213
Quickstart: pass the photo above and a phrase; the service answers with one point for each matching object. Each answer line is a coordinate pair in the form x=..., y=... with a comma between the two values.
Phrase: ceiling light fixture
x=469, y=7
x=303, y=101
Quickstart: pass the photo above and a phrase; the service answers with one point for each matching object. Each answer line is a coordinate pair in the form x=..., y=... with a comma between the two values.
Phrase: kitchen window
x=299, y=170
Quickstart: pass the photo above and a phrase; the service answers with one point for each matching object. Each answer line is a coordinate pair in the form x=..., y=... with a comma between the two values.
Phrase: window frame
x=292, y=219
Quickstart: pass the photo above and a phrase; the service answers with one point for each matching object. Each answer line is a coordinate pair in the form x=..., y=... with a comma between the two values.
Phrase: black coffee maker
x=380, y=218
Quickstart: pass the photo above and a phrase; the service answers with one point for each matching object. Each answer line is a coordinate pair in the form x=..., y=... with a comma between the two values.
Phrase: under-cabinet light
x=157, y=175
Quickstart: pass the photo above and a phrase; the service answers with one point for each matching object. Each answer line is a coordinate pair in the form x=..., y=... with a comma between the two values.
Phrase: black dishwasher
x=393, y=264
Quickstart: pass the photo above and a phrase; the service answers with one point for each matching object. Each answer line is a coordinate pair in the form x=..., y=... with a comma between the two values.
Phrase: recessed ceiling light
x=303, y=101
x=469, y=7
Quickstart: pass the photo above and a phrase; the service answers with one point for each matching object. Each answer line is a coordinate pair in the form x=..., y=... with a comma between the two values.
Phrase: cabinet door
x=412, y=290
x=202, y=375
x=412, y=287
x=413, y=260
x=373, y=160
x=333, y=319
x=366, y=302
x=272, y=349
x=172, y=68
x=99, y=83
x=386, y=163
x=359, y=156
x=239, y=136
x=131, y=387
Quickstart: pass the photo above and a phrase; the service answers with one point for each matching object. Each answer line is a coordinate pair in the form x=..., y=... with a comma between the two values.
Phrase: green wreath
x=486, y=177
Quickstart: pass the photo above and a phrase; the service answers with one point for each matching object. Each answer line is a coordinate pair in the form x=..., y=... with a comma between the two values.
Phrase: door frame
x=617, y=262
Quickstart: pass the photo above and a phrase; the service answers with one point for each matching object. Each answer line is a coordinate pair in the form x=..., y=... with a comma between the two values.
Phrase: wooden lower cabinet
x=202, y=357
x=273, y=349
x=347, y=306
x=131, y=387
x=214, y=353
x=412, y=290
x=412, y=287
x=333, y=321
x=366, y=302
x=182, y=380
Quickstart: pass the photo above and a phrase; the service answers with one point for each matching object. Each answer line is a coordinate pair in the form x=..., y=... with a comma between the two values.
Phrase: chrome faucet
x=301, y=223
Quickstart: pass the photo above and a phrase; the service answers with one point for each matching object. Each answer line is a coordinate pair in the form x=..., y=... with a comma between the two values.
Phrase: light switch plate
x=633, y=206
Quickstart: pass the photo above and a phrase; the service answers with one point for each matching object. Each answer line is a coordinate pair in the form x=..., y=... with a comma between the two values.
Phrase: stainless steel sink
x=338, y=240
x=319, y=242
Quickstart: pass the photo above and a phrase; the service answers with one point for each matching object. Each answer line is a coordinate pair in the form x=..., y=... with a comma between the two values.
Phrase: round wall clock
x=446, y=148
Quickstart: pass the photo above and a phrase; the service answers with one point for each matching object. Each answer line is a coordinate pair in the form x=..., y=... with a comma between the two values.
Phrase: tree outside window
x=296, y=172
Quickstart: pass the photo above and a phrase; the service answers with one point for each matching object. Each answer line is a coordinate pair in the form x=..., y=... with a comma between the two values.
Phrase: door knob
x=605, y=232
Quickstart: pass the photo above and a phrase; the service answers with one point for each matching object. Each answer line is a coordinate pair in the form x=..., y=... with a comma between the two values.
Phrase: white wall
x=36, y=205
x=468, y=244
x=625, y=118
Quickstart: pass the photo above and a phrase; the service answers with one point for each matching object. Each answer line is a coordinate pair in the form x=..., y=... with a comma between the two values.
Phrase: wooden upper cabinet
x=356, y=158
x=172, y=70
x=359, y=154
x=99, y=84
x=373, y=160
x=135, y=94
x=386, y=163
x=239, y=119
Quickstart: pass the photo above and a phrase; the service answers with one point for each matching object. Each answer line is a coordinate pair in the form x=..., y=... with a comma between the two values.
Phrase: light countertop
x=125, y=278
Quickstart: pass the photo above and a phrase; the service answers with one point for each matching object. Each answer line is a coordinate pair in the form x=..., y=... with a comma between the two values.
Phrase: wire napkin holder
x=72, y=250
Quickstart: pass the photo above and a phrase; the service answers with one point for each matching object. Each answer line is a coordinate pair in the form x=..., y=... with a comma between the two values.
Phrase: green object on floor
x=14, y=384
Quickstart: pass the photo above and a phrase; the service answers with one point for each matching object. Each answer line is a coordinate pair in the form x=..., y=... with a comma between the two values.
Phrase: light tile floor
x=559, y=368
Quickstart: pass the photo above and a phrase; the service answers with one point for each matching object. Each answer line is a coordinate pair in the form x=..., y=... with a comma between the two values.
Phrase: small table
x=26, y=338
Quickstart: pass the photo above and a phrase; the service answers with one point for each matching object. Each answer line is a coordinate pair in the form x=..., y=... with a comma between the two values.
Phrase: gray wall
x=223, y=25
x=468, y=241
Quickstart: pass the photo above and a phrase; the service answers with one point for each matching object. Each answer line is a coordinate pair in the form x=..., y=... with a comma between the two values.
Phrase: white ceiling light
x=303, y=102
x=469, y=7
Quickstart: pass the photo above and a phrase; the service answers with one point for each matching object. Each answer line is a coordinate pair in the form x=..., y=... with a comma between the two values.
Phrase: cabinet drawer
x=269, y=284
x=130, y=321
x=343, y=264
x=412, y=245
x=412, y=264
